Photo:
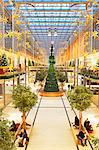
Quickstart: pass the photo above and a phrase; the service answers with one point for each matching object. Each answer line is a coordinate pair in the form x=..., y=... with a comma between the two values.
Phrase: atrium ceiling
x=52, y=21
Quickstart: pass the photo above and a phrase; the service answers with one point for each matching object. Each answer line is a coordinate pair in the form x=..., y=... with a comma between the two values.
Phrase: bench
x=75, y=132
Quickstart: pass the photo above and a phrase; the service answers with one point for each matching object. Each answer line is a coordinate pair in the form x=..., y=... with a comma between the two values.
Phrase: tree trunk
x=24, y=120
x=80, y=120
x=41, y=84
x=62, y=85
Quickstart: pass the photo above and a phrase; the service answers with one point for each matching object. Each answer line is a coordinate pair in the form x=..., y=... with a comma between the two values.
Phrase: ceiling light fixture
x=55, y=32
x=49, y=32
x=52, y=32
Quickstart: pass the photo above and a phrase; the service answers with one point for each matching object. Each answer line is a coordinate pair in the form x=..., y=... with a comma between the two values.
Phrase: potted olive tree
x=6, y=137
x=23, y=99
x=80, y=99
x=95, y=141
x=40, y=76
x=62, y=78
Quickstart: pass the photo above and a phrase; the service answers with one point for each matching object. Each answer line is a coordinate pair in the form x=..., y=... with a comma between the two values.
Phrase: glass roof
x=52, y=20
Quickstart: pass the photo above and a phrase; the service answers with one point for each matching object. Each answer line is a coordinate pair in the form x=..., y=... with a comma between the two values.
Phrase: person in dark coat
x=82, y=137
x=13, y=127
x=88, y=126
x=76, y=122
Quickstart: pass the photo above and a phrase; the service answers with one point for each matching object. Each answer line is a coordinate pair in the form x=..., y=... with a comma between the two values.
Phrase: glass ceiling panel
x=60, y=16
x=48, y=1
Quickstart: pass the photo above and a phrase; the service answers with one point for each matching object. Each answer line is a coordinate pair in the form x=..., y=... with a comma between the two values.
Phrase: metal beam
x=45, y=17
x=46, y=34
x=53, y=26
x=48, y=22
x=54, y=10
x=50, y=2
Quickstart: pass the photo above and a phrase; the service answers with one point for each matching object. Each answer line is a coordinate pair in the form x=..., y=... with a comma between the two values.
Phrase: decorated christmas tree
x=4, y=61
x=51, y=84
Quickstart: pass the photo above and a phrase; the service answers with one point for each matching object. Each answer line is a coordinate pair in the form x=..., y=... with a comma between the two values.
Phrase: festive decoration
x=95, y=34
x=17, y=35
x=85, y=54
x=88, y=18
x=0, y=35
x=95, y=2
x=87, y=34
x=51, y=84
x=5, y=35
x=18, y=54
x=18, y=22
x=89, y=1
x=5, y=20
x=11, y=67
x=97, y=22
x=94, y=51
x=28, y=45
x=4, y=61
x=10, y=50
x=10, y=34
x=15, y=16
x=86, y=43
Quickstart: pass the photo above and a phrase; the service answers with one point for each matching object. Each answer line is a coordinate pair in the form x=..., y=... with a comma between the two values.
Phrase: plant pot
x=2, y=71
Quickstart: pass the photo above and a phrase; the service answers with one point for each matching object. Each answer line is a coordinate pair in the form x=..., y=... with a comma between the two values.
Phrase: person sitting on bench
x=23, y=138
x=88, y=126
x=76, y=123
x=82, y=137
x=14, y=126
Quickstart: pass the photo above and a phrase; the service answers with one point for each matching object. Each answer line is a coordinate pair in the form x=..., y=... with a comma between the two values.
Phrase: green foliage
x=29, y=63
x=62, y=77
x=72, y=64
x=23, y=98
x=97, y=64
x=80, y=98
x=6, y=137
x=4, y=61
x=40, y=75
x=88, y=72
x=97, y=125
x=51, y=84
x=95, y=142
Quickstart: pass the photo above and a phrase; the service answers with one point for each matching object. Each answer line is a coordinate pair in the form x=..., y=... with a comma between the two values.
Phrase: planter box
x=2, y=71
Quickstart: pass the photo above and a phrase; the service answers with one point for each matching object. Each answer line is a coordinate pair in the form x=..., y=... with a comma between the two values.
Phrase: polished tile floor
x=51, y=129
